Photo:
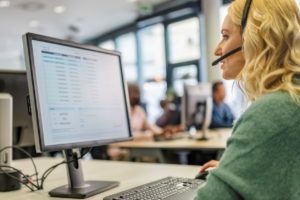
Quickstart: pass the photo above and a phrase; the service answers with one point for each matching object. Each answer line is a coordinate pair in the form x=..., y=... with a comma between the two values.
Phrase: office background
x=163, y=43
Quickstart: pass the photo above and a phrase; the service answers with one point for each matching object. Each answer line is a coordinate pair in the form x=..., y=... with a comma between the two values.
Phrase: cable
x=26, y=178
x=27, y=154
x=37, y=186
x=49, y=170
x=23, y=176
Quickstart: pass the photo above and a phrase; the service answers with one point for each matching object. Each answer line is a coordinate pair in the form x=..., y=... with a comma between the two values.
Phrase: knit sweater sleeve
x=255, y=162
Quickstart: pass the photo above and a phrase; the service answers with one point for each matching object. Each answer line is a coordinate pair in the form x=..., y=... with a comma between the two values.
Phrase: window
x=126, y=44
x=153, y=54
x=147, y=62
x=184, y=40
x=153, y=68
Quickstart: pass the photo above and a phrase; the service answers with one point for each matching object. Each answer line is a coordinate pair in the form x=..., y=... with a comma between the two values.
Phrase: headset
x=243, y=24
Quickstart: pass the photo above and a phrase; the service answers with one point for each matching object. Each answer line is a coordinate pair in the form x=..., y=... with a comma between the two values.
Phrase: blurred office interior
x=164, y=43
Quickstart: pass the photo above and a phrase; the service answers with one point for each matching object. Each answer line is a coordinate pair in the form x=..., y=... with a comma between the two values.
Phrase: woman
x=262, y=158
x=141, y=128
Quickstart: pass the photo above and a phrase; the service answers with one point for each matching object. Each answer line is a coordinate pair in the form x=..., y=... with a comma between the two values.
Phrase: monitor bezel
x=33, y=92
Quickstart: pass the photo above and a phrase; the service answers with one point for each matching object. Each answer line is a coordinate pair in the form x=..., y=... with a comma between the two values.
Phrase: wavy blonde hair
x=271, y=45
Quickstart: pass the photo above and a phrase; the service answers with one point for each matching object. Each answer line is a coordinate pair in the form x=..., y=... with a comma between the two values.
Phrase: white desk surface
x=217, y=140
x=129, y=175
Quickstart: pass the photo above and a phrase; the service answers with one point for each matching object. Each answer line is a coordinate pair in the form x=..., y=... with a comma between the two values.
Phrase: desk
x=217, y=141
x=129, y=175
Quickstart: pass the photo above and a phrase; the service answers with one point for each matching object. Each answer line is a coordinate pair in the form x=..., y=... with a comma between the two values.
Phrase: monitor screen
x=78, y=95
x=197, y=106
x=15, y=83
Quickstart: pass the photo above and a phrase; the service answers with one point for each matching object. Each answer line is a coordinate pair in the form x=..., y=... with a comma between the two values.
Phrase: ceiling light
x=59, y=9
x=132, y=1
x=34, y=23
x=4, y=3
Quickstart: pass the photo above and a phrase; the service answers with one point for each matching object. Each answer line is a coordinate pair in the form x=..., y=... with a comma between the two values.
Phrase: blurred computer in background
x=197, y=109
x=15, y=83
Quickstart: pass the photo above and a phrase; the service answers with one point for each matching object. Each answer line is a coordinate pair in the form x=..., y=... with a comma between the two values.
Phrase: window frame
x=165, y=17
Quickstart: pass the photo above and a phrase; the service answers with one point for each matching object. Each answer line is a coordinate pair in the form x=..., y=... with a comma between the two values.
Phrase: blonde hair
x=271, y=45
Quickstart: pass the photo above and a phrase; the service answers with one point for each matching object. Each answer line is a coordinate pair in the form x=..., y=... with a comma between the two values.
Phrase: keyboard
x=169, y=188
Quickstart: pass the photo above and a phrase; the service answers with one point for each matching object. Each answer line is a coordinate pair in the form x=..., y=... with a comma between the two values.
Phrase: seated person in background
x=140, y=127
x=171, y=111
x=222, y=116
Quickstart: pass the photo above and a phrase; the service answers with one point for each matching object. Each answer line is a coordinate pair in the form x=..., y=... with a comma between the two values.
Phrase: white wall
x=210, y=26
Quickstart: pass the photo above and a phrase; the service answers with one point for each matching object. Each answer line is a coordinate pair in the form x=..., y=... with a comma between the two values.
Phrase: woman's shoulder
x=276, y=100
x=269, y=115
x=275, y=106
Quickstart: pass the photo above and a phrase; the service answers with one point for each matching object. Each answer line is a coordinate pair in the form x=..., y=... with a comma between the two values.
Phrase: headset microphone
x=226, y=55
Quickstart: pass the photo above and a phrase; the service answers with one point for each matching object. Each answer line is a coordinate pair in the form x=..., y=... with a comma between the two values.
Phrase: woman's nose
x=218, y=50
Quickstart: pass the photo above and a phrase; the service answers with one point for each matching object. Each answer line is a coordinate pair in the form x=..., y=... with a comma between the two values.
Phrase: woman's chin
x=227, y=76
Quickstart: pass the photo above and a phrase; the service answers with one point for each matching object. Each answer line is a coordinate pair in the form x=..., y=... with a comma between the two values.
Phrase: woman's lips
x=222, y=64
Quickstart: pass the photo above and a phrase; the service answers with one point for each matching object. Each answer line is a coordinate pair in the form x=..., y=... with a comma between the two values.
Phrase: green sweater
x=262, y=158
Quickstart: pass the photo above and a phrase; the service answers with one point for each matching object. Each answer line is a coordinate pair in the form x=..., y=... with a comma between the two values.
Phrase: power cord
x=26, y=179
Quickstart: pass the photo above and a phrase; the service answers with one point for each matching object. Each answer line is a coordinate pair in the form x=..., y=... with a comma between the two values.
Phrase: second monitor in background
x=197, y=108
x=15, y=83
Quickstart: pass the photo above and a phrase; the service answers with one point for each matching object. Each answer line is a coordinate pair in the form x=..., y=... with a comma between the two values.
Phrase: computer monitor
x=78, y=99
x=197, y=108
x=15, y=83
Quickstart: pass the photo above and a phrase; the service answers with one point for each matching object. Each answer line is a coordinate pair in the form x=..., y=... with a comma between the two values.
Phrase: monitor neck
x=75, y=175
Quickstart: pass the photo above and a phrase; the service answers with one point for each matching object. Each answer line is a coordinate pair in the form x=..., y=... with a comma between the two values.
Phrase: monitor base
x=91, y=188
x=202, y=138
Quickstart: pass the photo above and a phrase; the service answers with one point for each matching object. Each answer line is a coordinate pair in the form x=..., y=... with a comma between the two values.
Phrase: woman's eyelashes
x=225, y=36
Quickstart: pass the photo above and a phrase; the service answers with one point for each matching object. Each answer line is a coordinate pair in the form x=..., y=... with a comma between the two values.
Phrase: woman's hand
x=212, y=163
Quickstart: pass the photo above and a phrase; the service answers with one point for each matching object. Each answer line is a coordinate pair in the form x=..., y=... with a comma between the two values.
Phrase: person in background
x=141, y=129
x=171, y=115
x=140, y=126
x=261, y=160
x=222, y=116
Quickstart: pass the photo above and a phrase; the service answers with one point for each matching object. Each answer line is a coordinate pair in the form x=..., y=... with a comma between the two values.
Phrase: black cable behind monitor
x=26, y=180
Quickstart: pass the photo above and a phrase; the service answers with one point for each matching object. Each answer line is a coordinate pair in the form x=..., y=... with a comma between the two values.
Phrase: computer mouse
x=202, y=175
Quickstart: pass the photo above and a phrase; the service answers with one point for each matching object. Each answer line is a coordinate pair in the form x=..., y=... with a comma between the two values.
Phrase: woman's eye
x=225, y=37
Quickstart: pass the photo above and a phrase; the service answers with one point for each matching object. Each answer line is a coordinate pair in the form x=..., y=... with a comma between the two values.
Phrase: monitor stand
x=77, y=187
x=203, y=135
